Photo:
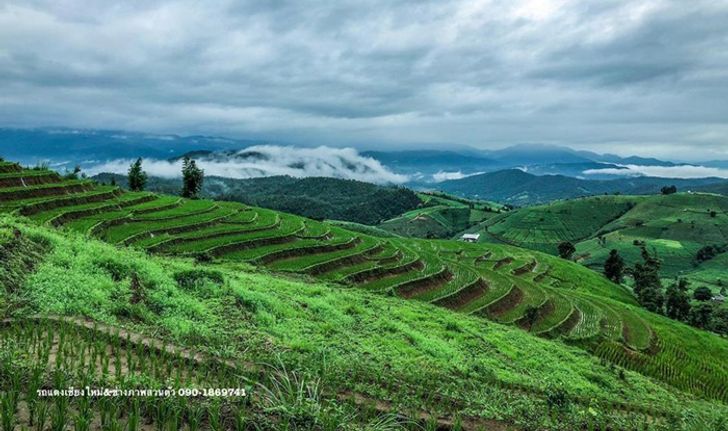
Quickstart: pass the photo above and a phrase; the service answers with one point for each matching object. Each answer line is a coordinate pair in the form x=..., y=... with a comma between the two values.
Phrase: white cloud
x=269, y=160
x=616, y=75
x=444, y=176
x=681, y=171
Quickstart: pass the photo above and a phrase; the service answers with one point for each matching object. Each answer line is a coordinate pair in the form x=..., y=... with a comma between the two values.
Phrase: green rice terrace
x=672, y=227
x=212, y=284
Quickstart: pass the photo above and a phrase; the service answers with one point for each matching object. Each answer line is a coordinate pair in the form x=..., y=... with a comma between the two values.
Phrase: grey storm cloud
x=644, y=77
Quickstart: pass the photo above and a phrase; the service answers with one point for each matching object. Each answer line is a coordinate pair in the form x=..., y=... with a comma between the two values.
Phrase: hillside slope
x=672, y=227
x=488, y=375
x=441, y=216
x=537, y=292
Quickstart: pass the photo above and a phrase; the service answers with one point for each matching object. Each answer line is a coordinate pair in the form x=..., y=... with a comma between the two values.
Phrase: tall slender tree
x=192, y=178
x=614, y=267
x=137, y=178
x=677, y=303
x=647, y=284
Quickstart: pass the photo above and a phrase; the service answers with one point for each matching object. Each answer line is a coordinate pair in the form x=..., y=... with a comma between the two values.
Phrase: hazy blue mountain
x=79, y=146
x=516, y=187
x=539, y=154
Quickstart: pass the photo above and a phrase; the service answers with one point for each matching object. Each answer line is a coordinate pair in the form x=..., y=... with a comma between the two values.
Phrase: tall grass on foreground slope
x=406, y=355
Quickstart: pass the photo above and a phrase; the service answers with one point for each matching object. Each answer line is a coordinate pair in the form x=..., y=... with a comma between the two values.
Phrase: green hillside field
x=673, y=227
x=215, y=286
x=441, y=216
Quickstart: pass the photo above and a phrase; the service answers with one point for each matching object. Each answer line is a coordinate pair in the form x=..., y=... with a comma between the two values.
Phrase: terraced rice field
x=538, y=292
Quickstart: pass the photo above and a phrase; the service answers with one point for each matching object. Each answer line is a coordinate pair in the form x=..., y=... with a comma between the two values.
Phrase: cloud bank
x=267, y=160
x=441, y=176
x=680, y=171
x=611, y=76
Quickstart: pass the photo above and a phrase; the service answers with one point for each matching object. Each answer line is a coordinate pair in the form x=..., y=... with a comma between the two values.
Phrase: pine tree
x=137, y=177
x=677, y=304
x=647, y=284
x=192, y=178
x=614, y=267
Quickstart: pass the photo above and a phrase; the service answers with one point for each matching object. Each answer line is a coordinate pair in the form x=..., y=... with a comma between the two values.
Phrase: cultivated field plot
x=544, y=227
x=538, y=292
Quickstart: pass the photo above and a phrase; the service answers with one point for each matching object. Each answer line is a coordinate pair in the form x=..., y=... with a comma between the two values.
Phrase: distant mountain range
x=520, y=174
x=433, y=166
x=82, y=146
x=516, y=187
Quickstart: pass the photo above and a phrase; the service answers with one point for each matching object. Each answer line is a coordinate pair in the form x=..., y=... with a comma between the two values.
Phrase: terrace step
x=380, y=272
x=483, y=258
x=173, y=229
x=552, y=314
x=7, y=167
x=566, y=326
x=533, y=297
x=254, y=243
x=68, y=216
x=173, y=213
x=502, y=262
x=152, y=209
x=225, y=230
x=503, y=304
x=636, y=333
x=28, y=179
x=342, y=261
x=525, y=269
x=289, y=253
x=588, y=325
x=68, y=200
x=420, y=286
x=54, y=189
x=464, y=296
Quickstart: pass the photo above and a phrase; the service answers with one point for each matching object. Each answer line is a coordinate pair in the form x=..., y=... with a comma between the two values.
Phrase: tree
x=74, y=174
x=706, y=253
x=566, y=249
x=614, y=267
x=668, y=190
x=647, y=284
x=713, y=214
x=700, y=315
x=137, y=177
x=192, y=178
x=719, y=322
x=702, y=293
x=677, y=303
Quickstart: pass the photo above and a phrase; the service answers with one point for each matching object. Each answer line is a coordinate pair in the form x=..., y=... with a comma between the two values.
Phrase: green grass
x=234, y=235
x=544, y=227
x=484, y=369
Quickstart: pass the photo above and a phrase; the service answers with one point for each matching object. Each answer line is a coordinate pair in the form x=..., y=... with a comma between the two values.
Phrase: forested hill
x=313, y=197
x=514, y=186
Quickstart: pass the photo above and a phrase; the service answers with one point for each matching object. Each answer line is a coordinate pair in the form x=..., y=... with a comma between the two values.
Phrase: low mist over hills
x=521, y=174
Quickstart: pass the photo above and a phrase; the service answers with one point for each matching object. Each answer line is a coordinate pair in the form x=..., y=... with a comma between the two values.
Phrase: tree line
x=673, y=301
x=192, y=178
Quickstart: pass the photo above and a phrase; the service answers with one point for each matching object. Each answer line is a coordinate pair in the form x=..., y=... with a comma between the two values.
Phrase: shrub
x=195, y=277
x=702, y=293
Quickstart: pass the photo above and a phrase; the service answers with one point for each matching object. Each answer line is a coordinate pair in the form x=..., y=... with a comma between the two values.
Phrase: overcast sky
x=631, y=77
